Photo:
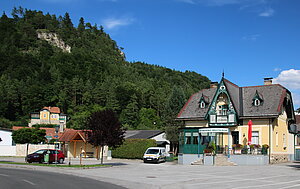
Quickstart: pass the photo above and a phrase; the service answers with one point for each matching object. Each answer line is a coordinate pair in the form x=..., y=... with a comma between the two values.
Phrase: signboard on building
x=213, y=130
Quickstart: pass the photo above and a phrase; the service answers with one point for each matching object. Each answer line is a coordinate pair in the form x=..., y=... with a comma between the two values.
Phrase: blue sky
x=248, y=39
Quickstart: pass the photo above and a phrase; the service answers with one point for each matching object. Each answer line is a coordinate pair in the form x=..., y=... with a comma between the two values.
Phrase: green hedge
x=133, y=148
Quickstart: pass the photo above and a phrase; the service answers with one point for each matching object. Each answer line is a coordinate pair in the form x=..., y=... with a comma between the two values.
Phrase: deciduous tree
x=104, y=129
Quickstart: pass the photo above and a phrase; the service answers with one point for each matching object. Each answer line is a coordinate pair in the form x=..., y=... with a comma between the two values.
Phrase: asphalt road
x=11, y=178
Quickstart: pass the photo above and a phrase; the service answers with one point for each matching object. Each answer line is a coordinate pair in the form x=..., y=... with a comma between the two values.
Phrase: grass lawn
x=54, y=165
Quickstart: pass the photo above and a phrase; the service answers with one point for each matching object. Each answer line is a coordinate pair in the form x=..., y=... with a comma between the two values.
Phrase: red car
x=39, y=155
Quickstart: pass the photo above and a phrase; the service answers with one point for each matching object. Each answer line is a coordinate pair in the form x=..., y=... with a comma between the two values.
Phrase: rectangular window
x=188, y=138
x=276, y=139
x=195, y=138
x=181, y=138
x=298, y=140
x=255, y=137
x=212, y=118
x=284, y=140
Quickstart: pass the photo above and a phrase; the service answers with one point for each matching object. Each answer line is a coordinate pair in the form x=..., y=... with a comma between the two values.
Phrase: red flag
x=249, y=131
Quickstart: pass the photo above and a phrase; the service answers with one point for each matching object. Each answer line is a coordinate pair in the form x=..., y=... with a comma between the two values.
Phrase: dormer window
x=202, y=104
x=256, y=102
x=257, y=99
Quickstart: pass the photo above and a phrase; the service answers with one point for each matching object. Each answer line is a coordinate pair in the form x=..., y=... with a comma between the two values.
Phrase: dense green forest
x=94, y=75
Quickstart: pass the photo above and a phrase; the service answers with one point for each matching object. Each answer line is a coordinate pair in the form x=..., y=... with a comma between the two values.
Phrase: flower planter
x=237, y=151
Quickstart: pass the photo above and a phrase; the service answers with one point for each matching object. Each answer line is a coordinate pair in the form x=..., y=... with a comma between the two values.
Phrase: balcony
x=219, y=120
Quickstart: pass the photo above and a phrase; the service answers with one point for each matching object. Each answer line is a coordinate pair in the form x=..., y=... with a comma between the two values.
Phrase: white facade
x=162, y=137
x=7, y=147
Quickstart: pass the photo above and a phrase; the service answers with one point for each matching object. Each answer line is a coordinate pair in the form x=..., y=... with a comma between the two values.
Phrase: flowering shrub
x=237, y=146
x=254, y=146
x=265, y=146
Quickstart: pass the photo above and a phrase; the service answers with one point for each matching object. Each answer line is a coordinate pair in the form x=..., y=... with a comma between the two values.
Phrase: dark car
x=39, y=156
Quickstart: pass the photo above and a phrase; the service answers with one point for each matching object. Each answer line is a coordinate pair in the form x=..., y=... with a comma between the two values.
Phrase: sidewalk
x=84, y=161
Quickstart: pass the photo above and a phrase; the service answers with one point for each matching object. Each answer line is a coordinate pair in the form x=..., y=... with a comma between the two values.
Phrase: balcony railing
x=229, y=118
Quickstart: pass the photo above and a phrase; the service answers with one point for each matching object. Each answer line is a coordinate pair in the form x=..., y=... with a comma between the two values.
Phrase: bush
x=133, y=148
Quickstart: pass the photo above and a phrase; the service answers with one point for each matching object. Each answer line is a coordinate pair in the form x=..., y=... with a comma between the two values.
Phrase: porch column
x=75, y=149
x=229, y=142
x=85, y=150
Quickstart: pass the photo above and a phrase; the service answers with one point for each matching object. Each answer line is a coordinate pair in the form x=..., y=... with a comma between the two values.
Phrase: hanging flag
x=249, y=131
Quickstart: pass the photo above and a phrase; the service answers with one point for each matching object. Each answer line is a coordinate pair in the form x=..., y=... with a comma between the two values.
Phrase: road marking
x=28, y=182
x=291, y=186
x=4, y=175
x=238, y=179
x=262, y=185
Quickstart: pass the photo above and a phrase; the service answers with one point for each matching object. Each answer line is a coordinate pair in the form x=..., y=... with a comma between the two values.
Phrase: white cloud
x=277, y=69
x=260, y=7
x=253, y=37
x=114, y=23
x=188, y=1
x=267, y=12
x=109, y=0
x=291, y=80
x=212, y=2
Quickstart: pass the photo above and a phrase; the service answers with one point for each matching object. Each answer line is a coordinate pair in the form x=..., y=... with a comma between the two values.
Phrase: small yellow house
x=75, y=144
x=49, y=115
x=246, y=125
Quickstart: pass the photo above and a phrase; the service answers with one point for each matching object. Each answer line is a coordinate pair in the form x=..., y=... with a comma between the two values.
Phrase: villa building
x=245, y=125
x=49, y=115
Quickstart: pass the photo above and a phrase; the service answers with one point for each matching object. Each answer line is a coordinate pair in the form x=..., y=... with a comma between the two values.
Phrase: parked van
x=155, y=154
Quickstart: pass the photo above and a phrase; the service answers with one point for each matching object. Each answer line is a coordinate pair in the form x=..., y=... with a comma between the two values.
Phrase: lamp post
x=56, y=132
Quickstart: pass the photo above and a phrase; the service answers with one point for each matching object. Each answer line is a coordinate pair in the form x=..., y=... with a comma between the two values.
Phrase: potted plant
x=237, y=148
x=264, y=149
x=254, y=148
x=210, y=149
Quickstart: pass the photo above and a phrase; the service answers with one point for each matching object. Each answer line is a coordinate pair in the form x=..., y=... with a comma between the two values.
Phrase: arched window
x=202, y=104
x=256, y=102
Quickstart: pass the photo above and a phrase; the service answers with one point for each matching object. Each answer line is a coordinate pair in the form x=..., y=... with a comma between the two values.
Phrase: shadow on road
x=296, y=165
x=115, y=164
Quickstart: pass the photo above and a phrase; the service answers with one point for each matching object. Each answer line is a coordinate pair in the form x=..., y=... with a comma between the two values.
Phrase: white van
x=155, y=154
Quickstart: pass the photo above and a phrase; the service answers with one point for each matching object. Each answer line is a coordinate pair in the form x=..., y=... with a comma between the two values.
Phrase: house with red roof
x=49, y=115
x=75, y=142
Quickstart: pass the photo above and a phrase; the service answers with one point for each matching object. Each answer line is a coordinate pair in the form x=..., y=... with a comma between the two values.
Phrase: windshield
x=152, y=151
x=39, y=152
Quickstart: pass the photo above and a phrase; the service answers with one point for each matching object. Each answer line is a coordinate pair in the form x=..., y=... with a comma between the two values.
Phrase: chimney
x=268, y=81
x=213, y=84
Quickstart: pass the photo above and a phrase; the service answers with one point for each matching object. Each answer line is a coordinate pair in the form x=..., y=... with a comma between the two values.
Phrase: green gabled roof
x=222, y=88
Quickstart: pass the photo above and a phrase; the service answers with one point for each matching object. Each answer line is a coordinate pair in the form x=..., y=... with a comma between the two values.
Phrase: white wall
x=6, y=138
x=6, y=147
x=162, y=137
x=21, y=148
x=7, y=150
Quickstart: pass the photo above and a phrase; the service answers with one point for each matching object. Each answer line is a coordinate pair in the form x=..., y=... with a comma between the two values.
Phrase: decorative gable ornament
x=221, y=111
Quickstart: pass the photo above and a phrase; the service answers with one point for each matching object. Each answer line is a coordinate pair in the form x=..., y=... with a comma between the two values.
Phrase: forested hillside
x=95, y=74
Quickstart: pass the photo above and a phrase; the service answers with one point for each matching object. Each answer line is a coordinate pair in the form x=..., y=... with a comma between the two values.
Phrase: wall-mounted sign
x=213, y=130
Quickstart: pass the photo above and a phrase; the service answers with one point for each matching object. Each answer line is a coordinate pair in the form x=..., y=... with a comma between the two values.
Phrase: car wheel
x=61, y=161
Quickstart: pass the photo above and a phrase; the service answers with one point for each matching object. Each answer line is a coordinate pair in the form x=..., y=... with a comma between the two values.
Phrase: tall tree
x=174, y=105
x=104, y=129
x=29, y=136
x=81, y=25
x=129, y=115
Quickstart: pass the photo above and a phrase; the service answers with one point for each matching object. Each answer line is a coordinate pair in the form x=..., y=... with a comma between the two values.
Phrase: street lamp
x=56, y=136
